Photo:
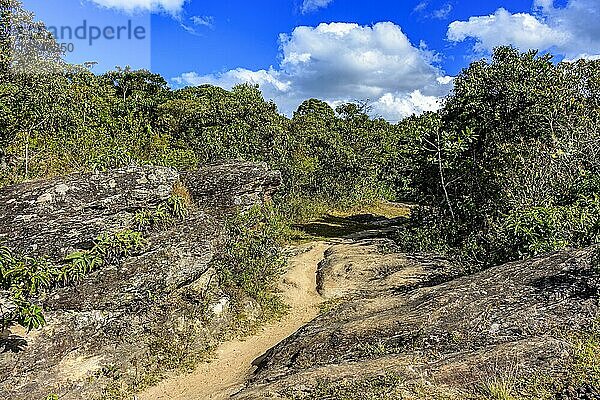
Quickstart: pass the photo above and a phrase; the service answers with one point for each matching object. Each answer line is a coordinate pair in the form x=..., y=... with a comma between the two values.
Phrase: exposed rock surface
x=217, y=187
x=408, y=317
x=143, y=311
x=367, y=267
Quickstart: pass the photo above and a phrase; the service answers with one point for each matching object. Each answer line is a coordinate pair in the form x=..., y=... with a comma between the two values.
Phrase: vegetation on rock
x=252, y=260
x=23, y=277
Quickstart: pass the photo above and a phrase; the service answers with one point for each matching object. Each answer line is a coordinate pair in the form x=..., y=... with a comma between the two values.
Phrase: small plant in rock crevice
x=174, y=208
x=499, y=388
x=23, y=277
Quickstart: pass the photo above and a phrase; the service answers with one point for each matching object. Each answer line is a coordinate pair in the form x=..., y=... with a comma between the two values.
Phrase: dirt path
x=227, y=374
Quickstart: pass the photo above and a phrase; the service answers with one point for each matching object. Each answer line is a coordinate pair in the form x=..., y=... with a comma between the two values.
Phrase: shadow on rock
x=12, y=343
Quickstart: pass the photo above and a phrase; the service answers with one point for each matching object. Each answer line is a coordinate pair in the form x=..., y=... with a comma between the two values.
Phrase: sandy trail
x=227, y=374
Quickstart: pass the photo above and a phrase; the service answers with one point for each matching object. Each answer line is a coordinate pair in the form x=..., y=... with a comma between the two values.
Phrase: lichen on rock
x=135, y=317
x=441, y=334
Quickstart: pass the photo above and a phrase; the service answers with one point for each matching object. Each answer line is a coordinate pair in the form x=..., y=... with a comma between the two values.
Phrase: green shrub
x=174, y=208
x=25, y=277
x=251, y=260
x=508, y=167
x=586, y=357
x=540, y=230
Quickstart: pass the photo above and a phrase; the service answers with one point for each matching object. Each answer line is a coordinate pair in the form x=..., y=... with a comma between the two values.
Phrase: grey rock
x=7, y=306
x=54, y=217
x=368, y=267
x=128, y=317
x=514, y=319
x=214, y=186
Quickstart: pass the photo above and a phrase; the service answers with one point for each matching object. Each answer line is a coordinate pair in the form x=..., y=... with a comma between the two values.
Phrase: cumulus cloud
x=314, y=5
x=396, y=106
x=270, y=80
x=521, y=30
x=572, y=30
x=345, y=62
x=173, y=7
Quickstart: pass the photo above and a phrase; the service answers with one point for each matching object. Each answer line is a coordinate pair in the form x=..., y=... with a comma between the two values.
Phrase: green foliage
x=177, y=206
x=218, y=125
x=144, y=219
x=29, y=315
x=539, y=230
x=113, y=246
x=586, y=358
x=167, y=212
x=25, y=277
x=508, y=166
x=344, y=158
x=252, y=261
x=499, y=388
x=20, y=278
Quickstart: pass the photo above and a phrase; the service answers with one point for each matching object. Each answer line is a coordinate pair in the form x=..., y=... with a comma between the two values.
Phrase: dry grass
x=499, y=388
x=181, y=191
x=380, y=208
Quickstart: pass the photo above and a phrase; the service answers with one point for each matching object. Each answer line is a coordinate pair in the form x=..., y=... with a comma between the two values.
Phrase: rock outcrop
x=367, y=267
x=441, y=335
x=147, y=310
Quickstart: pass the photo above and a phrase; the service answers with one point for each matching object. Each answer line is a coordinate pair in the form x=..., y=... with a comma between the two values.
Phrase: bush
x=252, y=261
x=508, y=166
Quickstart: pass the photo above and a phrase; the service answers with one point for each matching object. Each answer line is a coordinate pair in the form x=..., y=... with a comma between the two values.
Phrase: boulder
x=446, y=336
x=368, y=267
x=136, y=317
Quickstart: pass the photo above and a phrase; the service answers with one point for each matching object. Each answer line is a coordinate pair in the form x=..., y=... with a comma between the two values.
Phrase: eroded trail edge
x=232, y=366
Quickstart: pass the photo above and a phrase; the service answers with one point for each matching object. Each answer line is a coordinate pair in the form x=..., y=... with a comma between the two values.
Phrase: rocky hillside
x=392, y=326
x=153, y=307
x=407, y=327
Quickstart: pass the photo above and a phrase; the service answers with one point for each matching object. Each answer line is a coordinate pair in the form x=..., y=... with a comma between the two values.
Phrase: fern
x=25, y=277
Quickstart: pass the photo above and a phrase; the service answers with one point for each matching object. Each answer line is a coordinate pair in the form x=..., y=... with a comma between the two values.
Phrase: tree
x=220, y=124
x=517, y=133
x=26, y=46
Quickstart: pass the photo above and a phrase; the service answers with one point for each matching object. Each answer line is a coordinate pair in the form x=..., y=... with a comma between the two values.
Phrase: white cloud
x=313, y=5
x=421, y=6
x=443, y=12
x=521, y=30
x=572, y=31
x=395, y=107
x=234, y=77
x=345, y=62
x=207, y=21
x=439, y=13
x=173, y=7
x=198, y=22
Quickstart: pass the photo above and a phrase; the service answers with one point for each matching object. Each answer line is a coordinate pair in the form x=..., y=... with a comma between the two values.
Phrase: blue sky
x=401, y=54
x=245, y=34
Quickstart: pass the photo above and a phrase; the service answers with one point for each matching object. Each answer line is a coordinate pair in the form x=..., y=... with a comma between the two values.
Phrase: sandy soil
x=227, y=374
